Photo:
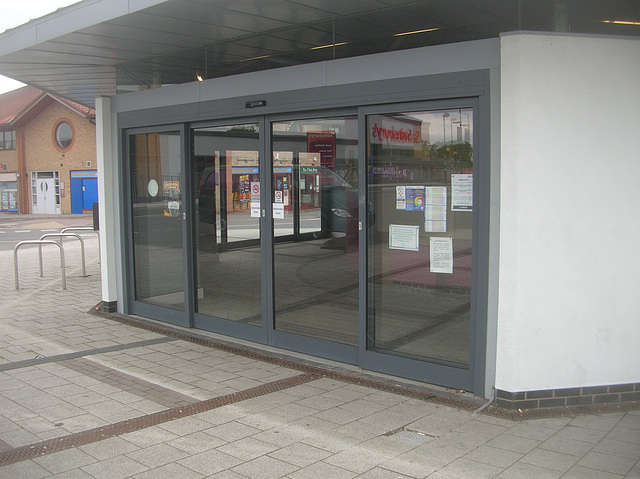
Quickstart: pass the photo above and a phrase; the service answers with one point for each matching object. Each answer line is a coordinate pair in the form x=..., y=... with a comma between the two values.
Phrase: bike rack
x=39, y=243
x=85, y=228
x=62, y=236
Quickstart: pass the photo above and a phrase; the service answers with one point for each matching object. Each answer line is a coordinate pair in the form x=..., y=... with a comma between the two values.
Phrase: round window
x=64, y=135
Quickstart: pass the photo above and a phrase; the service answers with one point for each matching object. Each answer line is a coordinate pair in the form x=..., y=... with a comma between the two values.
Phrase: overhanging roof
x=103, y=47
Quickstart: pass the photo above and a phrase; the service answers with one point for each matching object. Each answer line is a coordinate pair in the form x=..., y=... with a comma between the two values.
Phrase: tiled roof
x=83, y=110
x=16, y=103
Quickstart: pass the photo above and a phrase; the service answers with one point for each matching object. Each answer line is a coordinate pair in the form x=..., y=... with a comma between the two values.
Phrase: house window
x=63, y=135
x=8, y=140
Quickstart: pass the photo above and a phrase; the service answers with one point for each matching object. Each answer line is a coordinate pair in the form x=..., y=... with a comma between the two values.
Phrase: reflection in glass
x=157, y=219
x=315, y=187
x=227, y=181
x=420, y=177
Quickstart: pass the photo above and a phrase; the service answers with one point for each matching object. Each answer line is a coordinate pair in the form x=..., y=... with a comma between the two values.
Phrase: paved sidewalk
x=94, y=396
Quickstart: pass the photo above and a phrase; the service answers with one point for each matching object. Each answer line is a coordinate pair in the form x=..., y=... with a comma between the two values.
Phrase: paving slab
x=84, y=395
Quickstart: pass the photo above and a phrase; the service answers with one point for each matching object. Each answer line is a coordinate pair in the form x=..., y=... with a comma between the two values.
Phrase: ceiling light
x=416, y=31
x=620, y=22
x=329, y=46
x=255, y=58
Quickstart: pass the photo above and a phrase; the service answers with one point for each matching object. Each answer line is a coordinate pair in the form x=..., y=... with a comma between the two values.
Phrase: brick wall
x=10, y=157
x=43, y=154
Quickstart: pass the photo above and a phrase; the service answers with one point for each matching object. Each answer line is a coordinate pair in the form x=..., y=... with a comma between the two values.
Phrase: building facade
x=48, y=156
x=453, y=212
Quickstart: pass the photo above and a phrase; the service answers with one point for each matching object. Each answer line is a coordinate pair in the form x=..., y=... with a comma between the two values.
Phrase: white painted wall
x=569, y=287
x=107, y=200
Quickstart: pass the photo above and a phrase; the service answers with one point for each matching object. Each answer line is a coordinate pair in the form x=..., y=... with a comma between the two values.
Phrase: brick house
x=47, y=154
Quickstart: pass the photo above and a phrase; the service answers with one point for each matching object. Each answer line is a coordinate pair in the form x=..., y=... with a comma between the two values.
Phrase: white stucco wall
x=569, y=287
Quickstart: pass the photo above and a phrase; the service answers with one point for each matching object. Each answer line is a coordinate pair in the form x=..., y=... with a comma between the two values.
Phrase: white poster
x=441, y=255
x=278, y=211
x=435, y=210
x=404, y=237
x=462, y=192
x=255, y=209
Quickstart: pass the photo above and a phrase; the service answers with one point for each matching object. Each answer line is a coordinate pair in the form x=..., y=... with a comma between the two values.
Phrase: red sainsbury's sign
x=393, y=132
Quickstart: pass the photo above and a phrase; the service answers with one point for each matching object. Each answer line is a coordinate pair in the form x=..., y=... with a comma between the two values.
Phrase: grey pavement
x=92, y=395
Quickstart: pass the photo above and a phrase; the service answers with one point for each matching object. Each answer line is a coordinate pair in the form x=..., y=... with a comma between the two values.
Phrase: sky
x=18, y=12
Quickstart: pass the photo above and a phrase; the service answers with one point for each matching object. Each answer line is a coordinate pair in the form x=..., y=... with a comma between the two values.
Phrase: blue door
x=89, y=193
x=84, y=191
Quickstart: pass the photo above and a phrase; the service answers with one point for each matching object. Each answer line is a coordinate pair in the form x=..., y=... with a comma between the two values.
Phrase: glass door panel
x=420, y=185
x=157, y=211
x=315, y=204
x=227, y=182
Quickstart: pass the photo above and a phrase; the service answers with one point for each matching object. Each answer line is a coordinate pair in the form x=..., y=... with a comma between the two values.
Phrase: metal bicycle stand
x=62, y=236
x=39, y=243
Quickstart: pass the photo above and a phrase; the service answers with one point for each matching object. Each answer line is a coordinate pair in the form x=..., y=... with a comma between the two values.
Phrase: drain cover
x=411, y=437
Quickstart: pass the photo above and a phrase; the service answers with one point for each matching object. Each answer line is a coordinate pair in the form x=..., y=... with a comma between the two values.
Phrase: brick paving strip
x=309, y=371
x=104, y=432
x=183, y=406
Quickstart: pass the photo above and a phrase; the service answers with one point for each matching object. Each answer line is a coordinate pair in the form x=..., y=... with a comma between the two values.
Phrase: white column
x=107, y=200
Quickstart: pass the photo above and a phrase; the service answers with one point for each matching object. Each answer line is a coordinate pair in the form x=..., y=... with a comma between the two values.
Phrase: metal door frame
x=423, y=369
x=210, y=323
x=445, y=90
x=180, y=318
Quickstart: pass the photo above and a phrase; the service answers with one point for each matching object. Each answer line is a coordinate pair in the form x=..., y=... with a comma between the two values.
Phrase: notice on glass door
x=410, y=198
x=255, y=209
x=404, y=237
x=278, y=211
x=462, y=192
x=435, y=210
x=441, y=255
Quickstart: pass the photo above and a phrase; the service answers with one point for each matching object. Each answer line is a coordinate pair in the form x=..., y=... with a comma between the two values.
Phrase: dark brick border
x=568, y=397
x=108, y=306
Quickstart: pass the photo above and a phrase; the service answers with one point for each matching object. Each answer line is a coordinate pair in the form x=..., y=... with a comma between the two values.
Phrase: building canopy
x=103, y=47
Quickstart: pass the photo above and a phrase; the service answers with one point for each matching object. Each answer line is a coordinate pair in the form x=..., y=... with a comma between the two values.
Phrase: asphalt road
x=16, y=228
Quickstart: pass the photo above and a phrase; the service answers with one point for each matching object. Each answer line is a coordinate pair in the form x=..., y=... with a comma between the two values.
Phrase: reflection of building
x=47, y=154
x=551, y=311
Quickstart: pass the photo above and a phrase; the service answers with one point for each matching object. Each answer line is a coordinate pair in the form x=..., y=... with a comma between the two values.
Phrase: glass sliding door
x=273, y=250
x=315, y=209
x=420, y=186
x=157, y=208
x=226, y=177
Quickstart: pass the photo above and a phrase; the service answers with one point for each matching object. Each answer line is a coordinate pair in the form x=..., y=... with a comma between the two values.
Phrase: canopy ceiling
x=103, y=47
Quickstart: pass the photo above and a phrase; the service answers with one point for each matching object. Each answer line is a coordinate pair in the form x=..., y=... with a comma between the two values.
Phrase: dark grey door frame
x=131, y=305
x=447, y=90
x=473, y=377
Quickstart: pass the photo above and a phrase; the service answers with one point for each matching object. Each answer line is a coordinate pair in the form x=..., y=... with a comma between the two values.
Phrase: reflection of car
x=339, y=202
x=207, y=196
